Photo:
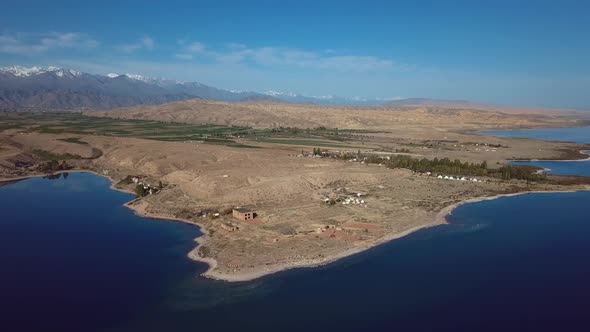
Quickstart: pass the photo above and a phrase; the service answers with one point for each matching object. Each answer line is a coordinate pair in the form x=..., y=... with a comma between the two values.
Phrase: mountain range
x=57, y=89
x=54, y=88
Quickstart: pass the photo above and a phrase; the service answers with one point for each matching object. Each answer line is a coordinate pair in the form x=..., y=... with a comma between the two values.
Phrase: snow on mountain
x=324, y=97
x=157, y=90
x=279, y=94
x=137, y=77
x=21, y=71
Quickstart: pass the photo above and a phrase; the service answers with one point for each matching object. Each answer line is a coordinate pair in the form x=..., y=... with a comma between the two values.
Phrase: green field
x=303, y=142
x=78, y=124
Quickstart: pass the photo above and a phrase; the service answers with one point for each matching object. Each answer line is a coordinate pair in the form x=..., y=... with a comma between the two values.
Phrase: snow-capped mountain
x=21, y=71
x=55, y=88
x=280, y=94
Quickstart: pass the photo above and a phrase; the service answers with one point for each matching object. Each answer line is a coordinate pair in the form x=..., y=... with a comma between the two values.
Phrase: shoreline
x=252, y=275
x=440, y=219
x=211, y=273
x=586, y=152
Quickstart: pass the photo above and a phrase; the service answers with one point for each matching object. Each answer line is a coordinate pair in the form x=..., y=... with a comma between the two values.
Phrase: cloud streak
x=25, y=44
x=145, y=43
x=295, y=58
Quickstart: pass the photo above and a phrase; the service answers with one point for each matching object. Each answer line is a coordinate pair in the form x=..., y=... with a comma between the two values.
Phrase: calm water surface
x=577, y=135
x=74, y=259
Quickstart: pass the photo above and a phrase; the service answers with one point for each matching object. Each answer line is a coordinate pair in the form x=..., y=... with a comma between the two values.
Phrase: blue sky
x=523, y=53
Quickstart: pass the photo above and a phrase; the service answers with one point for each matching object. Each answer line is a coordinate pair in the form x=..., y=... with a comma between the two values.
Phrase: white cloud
x=145, y=43
x=276, y=56
x=269, y=56
x=184, y=56
x=26, y=44
x=196, y=47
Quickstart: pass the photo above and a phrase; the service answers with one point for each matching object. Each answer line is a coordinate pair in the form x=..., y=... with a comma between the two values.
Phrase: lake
x=577, y=135
x=74, y=259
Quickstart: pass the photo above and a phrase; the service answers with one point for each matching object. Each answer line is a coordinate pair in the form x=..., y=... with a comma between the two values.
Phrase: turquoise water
x=74, y=259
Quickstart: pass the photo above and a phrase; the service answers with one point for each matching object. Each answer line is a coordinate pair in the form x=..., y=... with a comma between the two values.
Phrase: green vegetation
x=79, y=124
x=320, y=136
x=446, y=166
x=303, y=142
x=76, y=123
x=520, y=172
x=140, y=191
x=443, y=166
x=125, y=181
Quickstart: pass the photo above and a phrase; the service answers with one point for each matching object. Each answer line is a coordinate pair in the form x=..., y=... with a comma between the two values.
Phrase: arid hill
x=272, y=115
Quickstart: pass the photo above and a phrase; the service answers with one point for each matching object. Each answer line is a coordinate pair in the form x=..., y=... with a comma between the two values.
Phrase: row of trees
x=520, y=173
x=445, y=165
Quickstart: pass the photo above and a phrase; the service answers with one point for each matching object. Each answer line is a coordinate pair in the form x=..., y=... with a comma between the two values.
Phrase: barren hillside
x=270, y=115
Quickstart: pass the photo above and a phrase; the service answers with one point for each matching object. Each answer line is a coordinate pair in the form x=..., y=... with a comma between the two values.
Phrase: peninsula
x=321, y=182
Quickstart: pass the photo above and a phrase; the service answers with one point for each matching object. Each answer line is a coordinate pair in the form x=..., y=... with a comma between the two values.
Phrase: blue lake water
x=577, y=135
x=73, y=258
x=559, y=167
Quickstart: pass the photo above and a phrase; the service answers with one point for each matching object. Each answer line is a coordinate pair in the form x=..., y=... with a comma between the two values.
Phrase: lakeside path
x=139, y=208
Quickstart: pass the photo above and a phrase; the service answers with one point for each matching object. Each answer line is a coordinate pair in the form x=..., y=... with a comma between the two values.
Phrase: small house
x=243, y=214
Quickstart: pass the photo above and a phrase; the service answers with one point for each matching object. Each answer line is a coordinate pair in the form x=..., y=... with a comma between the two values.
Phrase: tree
x=140, y=191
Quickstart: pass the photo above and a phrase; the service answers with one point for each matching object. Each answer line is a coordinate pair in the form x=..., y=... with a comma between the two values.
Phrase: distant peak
x=22, y=71
x=136, y=77
x=278, y=93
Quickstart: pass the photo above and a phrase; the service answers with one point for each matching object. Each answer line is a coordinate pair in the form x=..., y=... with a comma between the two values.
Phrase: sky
x=519, y=53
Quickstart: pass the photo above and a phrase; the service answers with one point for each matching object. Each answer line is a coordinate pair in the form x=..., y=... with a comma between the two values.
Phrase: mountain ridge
x=54, y=88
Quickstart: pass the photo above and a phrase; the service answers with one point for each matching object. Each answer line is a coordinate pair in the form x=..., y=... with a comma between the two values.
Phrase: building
x=229, y=227
x=243, y=214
